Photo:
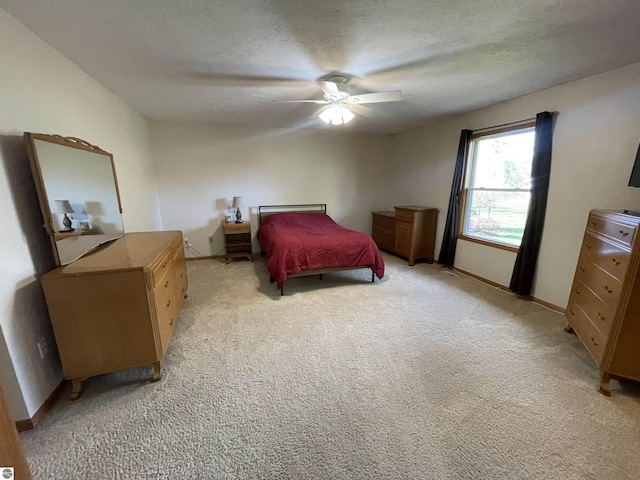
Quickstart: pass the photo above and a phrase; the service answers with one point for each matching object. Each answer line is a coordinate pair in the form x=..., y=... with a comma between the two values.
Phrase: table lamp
x=63, y=207
x=238, y=203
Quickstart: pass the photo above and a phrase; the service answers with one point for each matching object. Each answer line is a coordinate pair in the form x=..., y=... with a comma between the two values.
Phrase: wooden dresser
x=604, y=305
x=409, y=231
x=116, y=308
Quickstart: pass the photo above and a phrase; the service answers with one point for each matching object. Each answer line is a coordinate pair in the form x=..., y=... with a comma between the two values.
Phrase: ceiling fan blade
x=320, y=102
x=392, y=96
x=364, y=111
x=329, y=88
x=238, y=80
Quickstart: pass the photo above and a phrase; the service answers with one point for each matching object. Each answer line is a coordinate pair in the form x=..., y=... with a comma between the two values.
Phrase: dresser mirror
x=78, y=192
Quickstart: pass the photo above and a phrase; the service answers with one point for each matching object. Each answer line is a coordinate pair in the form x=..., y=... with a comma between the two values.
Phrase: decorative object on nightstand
x=237, y=238
x=64, y=207
x=238, y=203
x=409, y=231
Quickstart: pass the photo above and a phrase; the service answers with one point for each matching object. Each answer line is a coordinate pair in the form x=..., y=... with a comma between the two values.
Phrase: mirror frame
x=72, y=142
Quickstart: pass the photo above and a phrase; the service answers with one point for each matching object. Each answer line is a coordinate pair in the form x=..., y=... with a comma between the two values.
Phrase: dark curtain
x=525, y=266
x=450, y=237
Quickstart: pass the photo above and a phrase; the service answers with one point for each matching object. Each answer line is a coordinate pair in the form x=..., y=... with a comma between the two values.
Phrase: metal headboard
x=267, y=210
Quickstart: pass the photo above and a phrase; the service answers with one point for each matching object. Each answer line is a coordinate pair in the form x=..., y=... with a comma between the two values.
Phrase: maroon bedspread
x=296, y=241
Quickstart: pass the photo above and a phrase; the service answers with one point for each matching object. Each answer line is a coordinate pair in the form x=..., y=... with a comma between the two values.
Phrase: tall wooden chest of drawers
x=604, y=305
x=116, y=308
x=409, y=231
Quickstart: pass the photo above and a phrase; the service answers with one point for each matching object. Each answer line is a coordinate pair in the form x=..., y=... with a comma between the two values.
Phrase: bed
x=301, y=240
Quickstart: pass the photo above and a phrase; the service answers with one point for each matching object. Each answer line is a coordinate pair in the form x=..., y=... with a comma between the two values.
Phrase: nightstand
x=237, y=239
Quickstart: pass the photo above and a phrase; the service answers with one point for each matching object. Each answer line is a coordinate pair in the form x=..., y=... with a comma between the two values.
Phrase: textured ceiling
x=231, y=61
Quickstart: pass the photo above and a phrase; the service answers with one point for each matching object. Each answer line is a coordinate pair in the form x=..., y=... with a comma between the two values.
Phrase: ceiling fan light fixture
x=337, y=114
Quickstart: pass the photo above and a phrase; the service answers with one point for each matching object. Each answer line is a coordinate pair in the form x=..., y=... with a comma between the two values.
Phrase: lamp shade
x=62, y=206
x=238, y=202
x=337, y=114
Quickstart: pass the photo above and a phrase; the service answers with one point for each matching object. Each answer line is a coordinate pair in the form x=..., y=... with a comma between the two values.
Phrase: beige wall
x=200, y=169
x=41, y=91
x=595, y=142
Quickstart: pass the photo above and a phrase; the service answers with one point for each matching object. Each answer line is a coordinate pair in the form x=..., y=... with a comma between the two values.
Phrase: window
x=498, y=185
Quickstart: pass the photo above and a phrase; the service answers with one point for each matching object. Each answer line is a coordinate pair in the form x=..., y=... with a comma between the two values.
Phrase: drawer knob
x=615, y=262
x=166, y=284
x=623, y=233
x=577, y=292
x=593, y=224
x=607, y=289
x=582, y=270
x=168, y=303
x=171, y=322
x=164, y=264
x=588, y=246
x=593, y=340
x=571, y=311
x=600, y=316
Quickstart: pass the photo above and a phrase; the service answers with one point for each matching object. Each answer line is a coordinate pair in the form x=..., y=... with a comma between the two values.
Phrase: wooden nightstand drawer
x=237, y=228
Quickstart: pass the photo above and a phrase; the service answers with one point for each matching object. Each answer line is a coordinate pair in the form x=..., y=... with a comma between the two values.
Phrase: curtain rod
x=512, y=124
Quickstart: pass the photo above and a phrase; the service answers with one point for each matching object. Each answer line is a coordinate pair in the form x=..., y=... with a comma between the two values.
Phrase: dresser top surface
x=386, y=213
x=414, y=207
x=132, y=251
x=620, y=215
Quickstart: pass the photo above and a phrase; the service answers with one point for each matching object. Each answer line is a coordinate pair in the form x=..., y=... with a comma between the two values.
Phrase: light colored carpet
x=424, y=375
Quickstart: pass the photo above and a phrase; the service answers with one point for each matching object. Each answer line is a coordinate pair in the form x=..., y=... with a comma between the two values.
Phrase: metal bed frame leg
x=282, y=291
x=373, y=276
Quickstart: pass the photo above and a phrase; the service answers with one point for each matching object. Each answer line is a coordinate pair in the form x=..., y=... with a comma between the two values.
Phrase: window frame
x=464, y=203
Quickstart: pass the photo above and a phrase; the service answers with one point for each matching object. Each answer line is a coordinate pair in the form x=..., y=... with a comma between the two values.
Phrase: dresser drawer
x=383, y=222
x=161, y=268
x=600, y=314
x=605, y=286
x=611, y=258
x=165, y=292
x=404, y=215
x=618, y=231
x=384, y=239
x=166, y=308
x=180, y=278
x=177, y=249
x=592, y=338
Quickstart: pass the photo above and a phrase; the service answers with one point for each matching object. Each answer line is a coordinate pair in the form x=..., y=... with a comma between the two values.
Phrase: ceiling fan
x=340, y=106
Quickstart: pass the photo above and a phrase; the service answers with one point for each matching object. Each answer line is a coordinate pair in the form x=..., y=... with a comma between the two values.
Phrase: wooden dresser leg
x=569, y=328
x=157, y=371
x=76, y=388
x=605, y=387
